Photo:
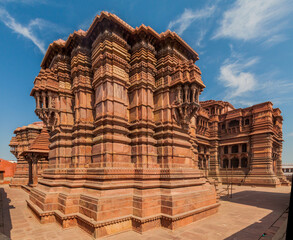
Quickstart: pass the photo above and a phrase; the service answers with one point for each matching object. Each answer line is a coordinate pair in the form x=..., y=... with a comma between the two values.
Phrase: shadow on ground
x=267, y=200
x=5, y=218
x=260, y=199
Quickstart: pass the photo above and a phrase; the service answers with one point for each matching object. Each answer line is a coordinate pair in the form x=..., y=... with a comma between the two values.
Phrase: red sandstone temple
x=131, y=146
x=30, y=146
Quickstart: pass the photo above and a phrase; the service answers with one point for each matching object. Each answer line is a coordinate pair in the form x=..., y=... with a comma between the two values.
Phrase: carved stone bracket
x=185, y=104
x=49, y=116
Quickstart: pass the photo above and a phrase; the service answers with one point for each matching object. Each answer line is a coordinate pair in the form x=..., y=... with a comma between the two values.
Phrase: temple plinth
x=120, y=104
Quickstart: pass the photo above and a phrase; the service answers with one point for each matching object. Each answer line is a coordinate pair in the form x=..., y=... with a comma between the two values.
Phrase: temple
x=131, y=147
x=241, y=146
x=120, y=104
x=30, y=146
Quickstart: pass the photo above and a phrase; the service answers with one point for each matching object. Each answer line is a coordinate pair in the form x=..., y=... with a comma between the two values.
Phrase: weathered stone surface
x=119, y=104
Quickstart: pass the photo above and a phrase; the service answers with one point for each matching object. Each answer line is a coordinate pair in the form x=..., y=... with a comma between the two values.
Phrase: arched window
x=233, y=123
x=244, y=162
x=226, y=150
x=235, y=162
x=225, y=163
x=244, y=147
x=235, y=149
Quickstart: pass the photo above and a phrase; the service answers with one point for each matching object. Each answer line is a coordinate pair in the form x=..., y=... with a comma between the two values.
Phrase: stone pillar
x=30, y=172
x=34, y=162
x=261, y=171
x=280, y=173
x=83, y=127
x=214, y=150
x=141, y=108
x=110, y=83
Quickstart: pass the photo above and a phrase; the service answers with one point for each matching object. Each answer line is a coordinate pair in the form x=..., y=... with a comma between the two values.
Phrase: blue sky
x=245, y=49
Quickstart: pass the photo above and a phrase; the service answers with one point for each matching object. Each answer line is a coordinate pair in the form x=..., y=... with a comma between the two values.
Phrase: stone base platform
x=19, y=180
x=118, y=200
x=247, y=215
x=127, y=223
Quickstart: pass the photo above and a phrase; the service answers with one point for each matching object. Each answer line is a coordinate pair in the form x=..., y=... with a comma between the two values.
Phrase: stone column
x=30, y=171
x=141, y=90
x=261, y=172
x=34, y=161
x=110, y=82
x=83, y=127
x=214, y=150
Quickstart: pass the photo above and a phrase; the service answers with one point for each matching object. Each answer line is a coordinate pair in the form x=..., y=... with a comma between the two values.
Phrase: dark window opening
x=47, y=102
x=244, y=147
x=226, y=150
x=235, y=162
x=244, y=162
x=235, y=149
x=234, y=123
x=246, y=121
x=225, y=163
x=223, y=126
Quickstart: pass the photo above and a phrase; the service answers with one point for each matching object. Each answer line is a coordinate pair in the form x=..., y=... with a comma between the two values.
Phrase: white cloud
x=251, y=19
x=236, y=79
x=202, y=34
x=25, y=31
x=188, y=16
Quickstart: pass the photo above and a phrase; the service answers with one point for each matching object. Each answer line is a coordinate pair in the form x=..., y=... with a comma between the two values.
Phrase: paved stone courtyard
x=250, y=213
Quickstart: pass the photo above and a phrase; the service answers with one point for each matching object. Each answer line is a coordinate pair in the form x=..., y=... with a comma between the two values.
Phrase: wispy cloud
x=234, y=76
x=25, y=31
x=255, y=20
x=241, y=82
x=180, y=24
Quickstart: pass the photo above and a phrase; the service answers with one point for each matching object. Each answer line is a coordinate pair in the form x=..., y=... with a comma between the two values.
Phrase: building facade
x=288, y=171
x=121, y=105
x=242, y=146
x=33, y=137
x=7, y=169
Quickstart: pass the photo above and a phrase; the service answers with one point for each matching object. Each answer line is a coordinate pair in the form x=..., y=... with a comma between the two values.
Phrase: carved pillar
x=214, y=150
x=81, y=74
x=34, y=161
x=261, y=172
x=111, y=81
x=141, y=108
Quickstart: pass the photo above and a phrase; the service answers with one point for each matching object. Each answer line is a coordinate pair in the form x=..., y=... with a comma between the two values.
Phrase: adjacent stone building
x=121, y=104
x=28, y=139
x=7, y=169
x=242, y=146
